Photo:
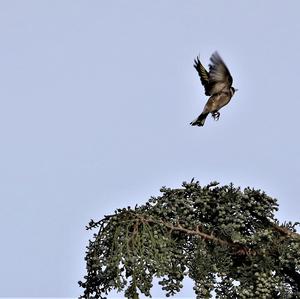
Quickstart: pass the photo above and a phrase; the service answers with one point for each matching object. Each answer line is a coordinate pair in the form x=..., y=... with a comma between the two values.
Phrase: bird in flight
x=217, y=84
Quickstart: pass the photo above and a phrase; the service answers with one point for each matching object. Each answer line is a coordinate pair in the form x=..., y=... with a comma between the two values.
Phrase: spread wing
x=219, y=75
x=203, y=74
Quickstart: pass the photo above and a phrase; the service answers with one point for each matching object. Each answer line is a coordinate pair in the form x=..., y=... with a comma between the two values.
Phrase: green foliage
x=226, y=240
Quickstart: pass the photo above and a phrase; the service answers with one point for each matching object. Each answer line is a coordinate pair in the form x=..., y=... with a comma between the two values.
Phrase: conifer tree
x=225, y=239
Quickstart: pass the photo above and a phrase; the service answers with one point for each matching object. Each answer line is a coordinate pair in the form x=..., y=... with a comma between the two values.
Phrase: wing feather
x=219, y=75
x=203, y=74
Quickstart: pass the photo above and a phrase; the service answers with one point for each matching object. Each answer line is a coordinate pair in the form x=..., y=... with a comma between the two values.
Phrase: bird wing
x=203, y=74
x=219, y=75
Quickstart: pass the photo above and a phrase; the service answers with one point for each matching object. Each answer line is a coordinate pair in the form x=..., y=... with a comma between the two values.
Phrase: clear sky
x=96, y=99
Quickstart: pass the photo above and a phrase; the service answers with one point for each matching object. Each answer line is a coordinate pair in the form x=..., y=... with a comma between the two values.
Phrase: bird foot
x=216, y=115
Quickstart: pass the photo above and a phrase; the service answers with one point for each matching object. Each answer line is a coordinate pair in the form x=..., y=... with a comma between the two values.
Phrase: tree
x=225, y=239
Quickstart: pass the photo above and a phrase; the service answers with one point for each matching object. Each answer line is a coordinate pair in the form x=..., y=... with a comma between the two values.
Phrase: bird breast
x=219, y=100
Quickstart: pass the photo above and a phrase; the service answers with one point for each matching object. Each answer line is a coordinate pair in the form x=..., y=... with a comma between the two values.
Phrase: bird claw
x=216, y=115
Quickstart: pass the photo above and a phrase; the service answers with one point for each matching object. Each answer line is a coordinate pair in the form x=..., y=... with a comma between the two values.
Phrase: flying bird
x=217, y=84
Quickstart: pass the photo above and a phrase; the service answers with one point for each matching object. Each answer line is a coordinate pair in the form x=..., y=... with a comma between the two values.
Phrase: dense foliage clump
x=225, y=239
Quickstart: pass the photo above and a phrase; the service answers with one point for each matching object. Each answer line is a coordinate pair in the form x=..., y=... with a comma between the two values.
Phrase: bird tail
x=200, y=120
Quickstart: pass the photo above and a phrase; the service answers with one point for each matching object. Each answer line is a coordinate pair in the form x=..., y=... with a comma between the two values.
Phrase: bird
x=217, y=84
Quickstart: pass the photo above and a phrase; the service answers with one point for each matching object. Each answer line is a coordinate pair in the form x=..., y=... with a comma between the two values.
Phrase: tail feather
x=200, y=120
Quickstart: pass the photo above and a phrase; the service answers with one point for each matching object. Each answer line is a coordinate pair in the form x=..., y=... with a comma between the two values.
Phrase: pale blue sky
x=96, y=100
